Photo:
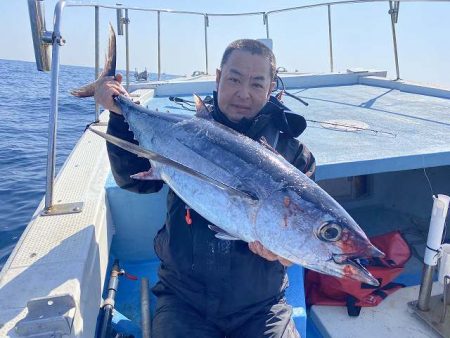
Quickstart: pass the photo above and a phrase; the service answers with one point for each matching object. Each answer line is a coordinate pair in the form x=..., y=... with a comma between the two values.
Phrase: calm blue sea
x=24, y=110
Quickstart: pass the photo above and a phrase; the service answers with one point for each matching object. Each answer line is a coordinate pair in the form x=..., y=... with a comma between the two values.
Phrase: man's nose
x=244, y=92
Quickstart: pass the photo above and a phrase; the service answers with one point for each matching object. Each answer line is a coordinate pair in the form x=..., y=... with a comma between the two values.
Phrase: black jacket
x=217, y=277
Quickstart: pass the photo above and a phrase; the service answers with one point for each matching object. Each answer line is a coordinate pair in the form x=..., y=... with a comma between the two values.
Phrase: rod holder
x=42, y=40
x=437, y=307
x=437, y=222
x=119, y=16
x=393, y=12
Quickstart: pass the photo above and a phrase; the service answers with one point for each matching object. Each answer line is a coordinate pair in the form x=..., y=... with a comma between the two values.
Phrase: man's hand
x=106, y=88
x=257, y=248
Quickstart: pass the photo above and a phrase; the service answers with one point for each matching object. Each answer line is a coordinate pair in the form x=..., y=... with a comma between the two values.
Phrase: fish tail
x=108, y=70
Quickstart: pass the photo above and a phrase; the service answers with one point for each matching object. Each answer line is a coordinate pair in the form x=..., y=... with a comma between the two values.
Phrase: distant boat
x=142, y=76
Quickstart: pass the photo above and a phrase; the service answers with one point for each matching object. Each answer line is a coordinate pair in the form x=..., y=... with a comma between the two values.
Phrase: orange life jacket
x=328, y=290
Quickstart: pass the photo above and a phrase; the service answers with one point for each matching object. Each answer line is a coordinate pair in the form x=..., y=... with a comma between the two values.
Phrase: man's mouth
x=240, y=107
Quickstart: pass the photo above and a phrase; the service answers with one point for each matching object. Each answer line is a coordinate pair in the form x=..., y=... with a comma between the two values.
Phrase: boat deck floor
x=395, y=130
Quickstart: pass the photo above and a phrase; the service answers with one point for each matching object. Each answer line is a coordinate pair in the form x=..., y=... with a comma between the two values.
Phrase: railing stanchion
x=97, y=55
x=206, y=42
x=127, y=49
x=330, y=39
x=57, y=41
x=159, y=45
x=53, y=118
x=393, y=11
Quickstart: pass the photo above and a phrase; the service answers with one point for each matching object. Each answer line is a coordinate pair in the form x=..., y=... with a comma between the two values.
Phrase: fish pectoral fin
x=201, y=109
x=222, y=234
x=141, y=152
x=150, y=175
x=85, y=91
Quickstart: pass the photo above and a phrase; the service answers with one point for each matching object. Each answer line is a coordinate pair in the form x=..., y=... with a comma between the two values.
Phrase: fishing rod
x=188, y=104
x=350, y=127
x=283, y=91
x=185, y=104
x=108, y=304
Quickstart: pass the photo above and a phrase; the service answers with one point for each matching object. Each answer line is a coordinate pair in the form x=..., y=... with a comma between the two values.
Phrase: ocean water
x=24, y=111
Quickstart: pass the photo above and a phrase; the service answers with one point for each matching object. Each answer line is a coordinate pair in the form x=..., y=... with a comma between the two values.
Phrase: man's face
x=243, y=85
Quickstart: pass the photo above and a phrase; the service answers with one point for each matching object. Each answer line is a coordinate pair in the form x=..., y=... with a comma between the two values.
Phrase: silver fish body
x=279, y=205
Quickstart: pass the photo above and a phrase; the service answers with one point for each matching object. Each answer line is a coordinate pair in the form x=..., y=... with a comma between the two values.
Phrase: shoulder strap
x=352, y=309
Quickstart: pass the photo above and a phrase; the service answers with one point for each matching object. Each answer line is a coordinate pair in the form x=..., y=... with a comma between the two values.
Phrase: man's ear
x=218, y=74
x=272, y=86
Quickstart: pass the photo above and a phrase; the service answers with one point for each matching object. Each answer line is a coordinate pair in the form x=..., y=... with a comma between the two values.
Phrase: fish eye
x=330, y=232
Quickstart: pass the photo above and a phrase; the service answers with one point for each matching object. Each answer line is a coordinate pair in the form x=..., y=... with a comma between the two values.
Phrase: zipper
x=188, y=220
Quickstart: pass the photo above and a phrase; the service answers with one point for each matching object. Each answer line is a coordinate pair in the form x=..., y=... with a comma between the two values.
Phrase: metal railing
x=206, y=16
x=393, y=12
x=43, y=38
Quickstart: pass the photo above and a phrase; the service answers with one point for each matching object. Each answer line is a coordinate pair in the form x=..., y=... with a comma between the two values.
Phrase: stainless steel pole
x=145, y=309
x=159, y=45
x=330, y=39
x=206, y=42
x=53, y=118
x=97, y=55
x=425, y=288
x=393, y=11
x=38, y=31
x=266, y=22
x=127, y=21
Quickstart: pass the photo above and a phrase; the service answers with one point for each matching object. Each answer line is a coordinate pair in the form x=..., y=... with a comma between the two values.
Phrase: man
x=210, y=287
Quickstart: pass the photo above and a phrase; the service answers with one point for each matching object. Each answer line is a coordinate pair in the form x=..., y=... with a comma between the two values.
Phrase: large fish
x=243, y=187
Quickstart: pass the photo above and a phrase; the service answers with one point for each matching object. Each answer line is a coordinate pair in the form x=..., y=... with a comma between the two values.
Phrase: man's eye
x=234, y=80
x=257, y=85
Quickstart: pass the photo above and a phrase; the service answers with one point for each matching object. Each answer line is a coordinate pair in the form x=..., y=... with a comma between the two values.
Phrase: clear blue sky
x=361, y=36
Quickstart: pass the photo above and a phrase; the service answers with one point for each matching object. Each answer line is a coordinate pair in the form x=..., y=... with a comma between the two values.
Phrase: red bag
x=328, y=290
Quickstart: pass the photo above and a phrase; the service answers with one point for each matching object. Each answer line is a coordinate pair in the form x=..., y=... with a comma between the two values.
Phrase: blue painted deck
x=411, y=130
x=128, y=318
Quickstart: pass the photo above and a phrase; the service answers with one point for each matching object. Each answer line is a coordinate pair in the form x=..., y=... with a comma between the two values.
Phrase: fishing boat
x=141, y=76
x=382, y=147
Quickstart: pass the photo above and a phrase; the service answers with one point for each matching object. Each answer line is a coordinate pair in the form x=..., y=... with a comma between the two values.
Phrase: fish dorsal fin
x=201, y=108
x=222, y=234
x=263, y=142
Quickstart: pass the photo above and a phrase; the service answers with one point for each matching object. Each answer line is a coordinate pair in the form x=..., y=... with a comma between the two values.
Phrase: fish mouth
x=352, y=268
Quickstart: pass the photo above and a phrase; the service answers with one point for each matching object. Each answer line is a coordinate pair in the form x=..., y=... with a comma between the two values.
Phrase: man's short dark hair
x=253, y=47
